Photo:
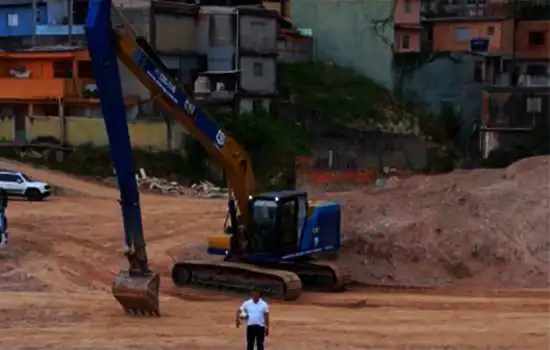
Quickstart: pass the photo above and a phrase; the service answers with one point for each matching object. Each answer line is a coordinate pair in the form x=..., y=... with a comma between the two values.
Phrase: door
x=20, y=123
x=12, y=184
x=289, y=224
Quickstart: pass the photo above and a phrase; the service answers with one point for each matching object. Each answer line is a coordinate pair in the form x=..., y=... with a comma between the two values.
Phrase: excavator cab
x=276, y=222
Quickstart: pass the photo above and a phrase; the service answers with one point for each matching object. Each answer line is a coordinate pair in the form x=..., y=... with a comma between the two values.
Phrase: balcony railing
x=491, y=10
x=216, y=86
x=537, y=10
x=516, y=110
x=525, y=80
x=43, y=89
x=55, y=29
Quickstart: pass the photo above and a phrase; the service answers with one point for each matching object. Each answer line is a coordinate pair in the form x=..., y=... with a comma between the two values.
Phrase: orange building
x=511, y=40
x=36, y=84
x=407, y=26
x=43, y=76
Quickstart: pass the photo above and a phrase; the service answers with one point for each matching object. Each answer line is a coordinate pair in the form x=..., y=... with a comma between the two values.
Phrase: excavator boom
x=137, y=288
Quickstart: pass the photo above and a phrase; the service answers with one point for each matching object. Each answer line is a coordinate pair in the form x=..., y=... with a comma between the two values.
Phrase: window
x=63, y=69
x=257, y=27
x=533, y=105
x=13, y=20
x=478, y=71
x=462, y=34
x=537, y=69
x=537, y=38
x=406, y=42
x=258, y=69
x=10, y=178
x=408, y=7
x=490, y=30
x=257, y=106
x=85, y=70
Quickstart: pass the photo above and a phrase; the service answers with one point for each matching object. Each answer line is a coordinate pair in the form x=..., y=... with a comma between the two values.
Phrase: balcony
x=499, y=10
x=216, y=86
x=40, y=89
x=55, y=30
x=525, y=80
x=453, y=37
x=515, y=108
x=534, y=11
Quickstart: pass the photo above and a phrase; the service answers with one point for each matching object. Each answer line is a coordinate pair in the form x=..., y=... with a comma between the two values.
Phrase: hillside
x=334, y=97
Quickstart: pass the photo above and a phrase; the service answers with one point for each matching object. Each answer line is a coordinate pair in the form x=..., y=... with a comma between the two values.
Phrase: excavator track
x=236, y=276
x=319, y=275
x=324, y=275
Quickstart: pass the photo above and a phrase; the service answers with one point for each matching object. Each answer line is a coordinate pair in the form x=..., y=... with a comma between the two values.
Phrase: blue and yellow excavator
x=273, y=240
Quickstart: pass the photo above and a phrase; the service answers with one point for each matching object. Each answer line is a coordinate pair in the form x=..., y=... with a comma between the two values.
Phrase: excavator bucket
x=138, y=295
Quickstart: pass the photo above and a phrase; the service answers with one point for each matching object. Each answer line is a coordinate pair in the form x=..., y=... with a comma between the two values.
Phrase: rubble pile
x=203, y=189
x=479, y=228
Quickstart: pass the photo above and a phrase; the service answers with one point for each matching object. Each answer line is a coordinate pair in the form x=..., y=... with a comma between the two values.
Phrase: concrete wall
x=350, y=34
x=371, y=150
x=447, y=81
x=7, y=128
x=217, y=37
x=175, y=33
x=524, y=48
x=407, y=11
x=456, y=36
x=259, y=74
x=79, y=130
x=258, y=33
x=184, y=65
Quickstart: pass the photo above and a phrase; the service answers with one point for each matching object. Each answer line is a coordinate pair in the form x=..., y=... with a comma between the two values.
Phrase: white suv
x=20, y=185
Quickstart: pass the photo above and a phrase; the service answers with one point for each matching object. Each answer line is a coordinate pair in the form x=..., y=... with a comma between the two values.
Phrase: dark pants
x=255, y=334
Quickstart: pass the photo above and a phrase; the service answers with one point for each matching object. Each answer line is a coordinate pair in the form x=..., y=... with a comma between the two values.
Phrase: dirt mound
x=486, y=228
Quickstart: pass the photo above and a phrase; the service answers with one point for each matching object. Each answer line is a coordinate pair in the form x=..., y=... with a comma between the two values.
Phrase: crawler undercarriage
x=279, y=281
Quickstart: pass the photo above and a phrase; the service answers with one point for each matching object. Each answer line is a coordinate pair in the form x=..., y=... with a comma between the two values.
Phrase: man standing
x=257, y=314
x=3, y=218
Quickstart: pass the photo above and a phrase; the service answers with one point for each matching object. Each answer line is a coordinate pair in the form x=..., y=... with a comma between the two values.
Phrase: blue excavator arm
x=106, y=73
x=136, y=289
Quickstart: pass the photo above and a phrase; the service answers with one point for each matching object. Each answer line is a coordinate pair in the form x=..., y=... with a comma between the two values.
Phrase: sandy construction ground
x=64, y=252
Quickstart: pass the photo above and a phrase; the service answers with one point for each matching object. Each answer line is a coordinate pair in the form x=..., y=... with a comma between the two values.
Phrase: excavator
x=274, y=242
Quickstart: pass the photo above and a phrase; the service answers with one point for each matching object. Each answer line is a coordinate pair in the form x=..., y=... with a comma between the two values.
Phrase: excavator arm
x=137, y=288
x=106, y=42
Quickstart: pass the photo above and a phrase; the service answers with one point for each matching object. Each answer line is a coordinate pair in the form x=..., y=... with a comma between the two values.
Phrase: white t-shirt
x=255, y=311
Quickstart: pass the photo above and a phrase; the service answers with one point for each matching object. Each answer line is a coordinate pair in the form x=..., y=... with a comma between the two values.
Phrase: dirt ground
x=64, y=252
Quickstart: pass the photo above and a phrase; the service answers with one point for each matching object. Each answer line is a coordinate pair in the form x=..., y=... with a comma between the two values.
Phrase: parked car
x=17, y=184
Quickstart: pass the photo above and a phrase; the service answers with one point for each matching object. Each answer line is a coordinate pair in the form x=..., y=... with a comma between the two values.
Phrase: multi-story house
x=224, y=55
x=380, y=39
x=38, y=84
x=408, y=30
x=36, y=22
x=511, y=40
